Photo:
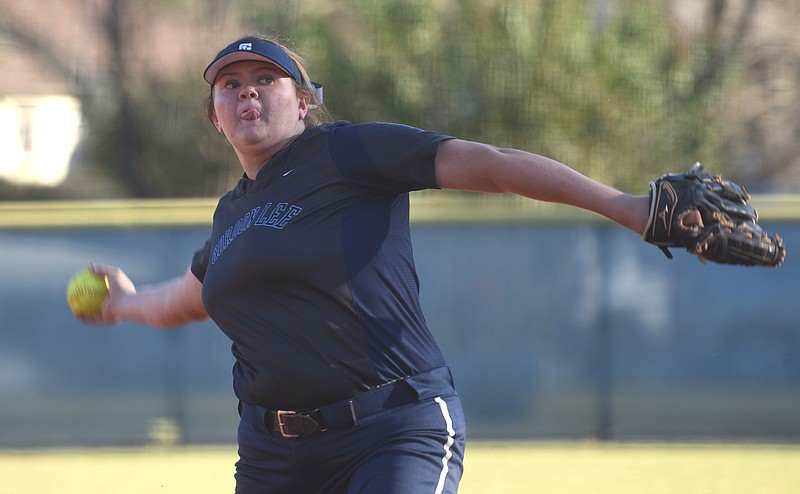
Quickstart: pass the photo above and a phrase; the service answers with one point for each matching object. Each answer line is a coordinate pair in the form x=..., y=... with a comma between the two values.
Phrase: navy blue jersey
x=309, y=269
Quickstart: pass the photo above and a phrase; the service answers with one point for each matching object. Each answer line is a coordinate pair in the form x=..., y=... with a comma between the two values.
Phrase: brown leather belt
x=292, y=424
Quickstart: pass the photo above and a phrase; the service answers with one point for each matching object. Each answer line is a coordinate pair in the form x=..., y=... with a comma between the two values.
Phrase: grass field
x=508, y=468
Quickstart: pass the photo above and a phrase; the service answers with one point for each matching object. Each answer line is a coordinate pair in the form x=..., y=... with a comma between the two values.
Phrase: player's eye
x=227, y=83
x=266, y=80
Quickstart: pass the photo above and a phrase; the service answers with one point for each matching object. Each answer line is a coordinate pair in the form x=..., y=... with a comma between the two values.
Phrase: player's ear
x=211, y=113
x=302, y=105
x=215, y=121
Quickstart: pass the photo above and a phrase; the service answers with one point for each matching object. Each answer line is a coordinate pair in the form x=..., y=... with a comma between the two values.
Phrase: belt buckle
x=280, y=415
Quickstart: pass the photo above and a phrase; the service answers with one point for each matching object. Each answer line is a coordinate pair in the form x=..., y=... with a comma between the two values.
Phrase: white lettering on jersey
x=276, y=217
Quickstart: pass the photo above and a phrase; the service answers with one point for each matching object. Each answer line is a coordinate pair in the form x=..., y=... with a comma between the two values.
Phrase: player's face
x=257, y=107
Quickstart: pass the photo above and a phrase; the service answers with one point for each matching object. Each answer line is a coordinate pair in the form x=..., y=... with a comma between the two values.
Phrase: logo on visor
x=246, y=46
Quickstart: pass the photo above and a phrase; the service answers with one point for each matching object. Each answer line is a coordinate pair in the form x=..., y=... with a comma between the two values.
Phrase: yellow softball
x=86, y=293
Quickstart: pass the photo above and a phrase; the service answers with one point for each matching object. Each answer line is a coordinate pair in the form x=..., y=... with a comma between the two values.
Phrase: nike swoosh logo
x=285, y=174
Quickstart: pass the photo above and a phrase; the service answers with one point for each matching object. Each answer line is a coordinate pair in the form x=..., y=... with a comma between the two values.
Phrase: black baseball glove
x=730, y=233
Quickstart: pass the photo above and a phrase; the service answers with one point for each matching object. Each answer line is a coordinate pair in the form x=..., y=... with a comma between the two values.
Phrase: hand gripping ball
x=86, y=293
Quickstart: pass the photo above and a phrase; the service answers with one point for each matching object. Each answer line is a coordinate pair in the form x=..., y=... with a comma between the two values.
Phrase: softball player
x=309, y=271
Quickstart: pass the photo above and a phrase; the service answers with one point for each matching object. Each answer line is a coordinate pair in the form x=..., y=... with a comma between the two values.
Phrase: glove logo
x=666, y=198
x=663, y=216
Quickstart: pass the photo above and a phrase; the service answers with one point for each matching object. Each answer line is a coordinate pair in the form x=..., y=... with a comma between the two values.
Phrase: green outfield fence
x=557, y=324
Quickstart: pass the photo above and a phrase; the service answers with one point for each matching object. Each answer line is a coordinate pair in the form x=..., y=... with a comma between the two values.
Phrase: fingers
x=692, y=219
x=102, y=269
x=118, y=281
x=97, y=320
x=119, y=285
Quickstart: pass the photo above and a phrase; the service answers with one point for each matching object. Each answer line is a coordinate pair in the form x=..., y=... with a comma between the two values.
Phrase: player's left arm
x=466, y=165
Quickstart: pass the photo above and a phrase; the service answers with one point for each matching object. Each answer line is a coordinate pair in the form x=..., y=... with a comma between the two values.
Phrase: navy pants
x=413, y=449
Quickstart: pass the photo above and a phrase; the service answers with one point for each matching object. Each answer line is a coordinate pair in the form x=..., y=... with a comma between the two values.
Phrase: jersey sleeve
x=200, y=261
x=385, y=157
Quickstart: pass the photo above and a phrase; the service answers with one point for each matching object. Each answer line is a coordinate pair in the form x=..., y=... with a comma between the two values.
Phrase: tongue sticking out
x=250, y=114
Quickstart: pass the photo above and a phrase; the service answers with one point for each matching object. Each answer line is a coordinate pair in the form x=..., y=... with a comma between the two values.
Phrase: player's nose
x=248, y=92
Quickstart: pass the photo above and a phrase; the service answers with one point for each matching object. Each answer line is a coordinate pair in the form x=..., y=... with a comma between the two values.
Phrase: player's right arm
x=170, y=304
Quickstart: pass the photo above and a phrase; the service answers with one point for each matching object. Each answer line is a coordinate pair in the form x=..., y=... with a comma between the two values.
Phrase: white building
x=38, y=134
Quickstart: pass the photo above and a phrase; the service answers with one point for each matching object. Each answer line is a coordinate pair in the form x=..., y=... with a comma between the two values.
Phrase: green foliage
x=605, y=86
x=610, y=95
